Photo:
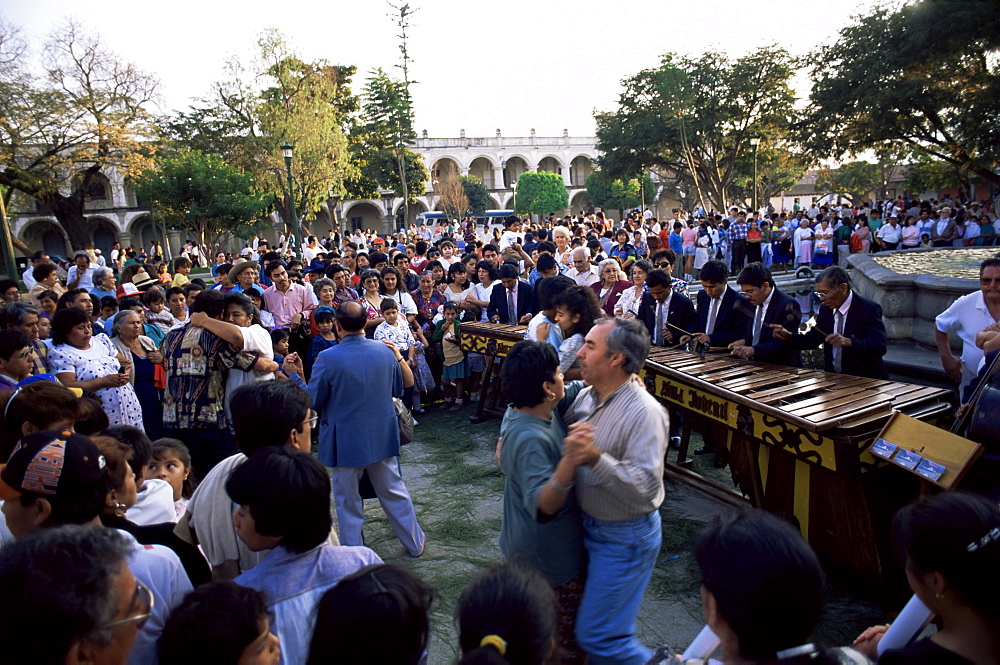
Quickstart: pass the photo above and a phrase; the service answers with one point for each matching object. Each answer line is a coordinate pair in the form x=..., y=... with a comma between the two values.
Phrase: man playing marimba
x=850, y=328
x=722, y=312
x=769, y=306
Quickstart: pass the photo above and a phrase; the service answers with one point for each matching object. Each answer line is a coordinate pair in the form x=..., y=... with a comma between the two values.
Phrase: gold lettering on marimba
x=708, y=406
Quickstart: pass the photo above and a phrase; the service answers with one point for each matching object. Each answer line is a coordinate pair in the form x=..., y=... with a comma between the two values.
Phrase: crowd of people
x=176, y=522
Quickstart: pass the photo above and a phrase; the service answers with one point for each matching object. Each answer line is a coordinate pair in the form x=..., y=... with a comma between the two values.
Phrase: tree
x=854, y=180
x=278, y=98
x=778, y=169
x=451, y=198
x=477, y=194
x=380, y=142
x=618, y=194
x=925, y=173
x=922, y=76
x=201, y=193
x=87, y=114
x=694, y=116
x=540, y=193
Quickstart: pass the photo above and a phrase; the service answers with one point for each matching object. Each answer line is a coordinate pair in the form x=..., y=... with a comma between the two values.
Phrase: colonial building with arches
x=116, y=214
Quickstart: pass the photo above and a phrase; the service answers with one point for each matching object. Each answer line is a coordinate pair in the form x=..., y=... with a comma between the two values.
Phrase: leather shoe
x=675, y=443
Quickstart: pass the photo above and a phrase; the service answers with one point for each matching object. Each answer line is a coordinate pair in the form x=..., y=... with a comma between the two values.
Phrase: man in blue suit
x=352, y=387
x=722, y=312
x=770, y=306
x=512, y=303
x=849, y=327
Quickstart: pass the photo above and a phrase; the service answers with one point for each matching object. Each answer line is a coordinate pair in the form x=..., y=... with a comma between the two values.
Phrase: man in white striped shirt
x=619, y=486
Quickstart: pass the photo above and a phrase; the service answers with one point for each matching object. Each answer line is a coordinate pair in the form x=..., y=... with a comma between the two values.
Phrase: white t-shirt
x=508, y=238
x=258, y=340
x=154, y=504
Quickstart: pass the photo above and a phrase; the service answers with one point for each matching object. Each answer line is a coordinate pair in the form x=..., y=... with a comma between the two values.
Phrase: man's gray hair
x=13, y=314
x=58, y=590
x=630, y=338
x=101, y=274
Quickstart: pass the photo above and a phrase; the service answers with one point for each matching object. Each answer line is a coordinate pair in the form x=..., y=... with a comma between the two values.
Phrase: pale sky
x=513, y=64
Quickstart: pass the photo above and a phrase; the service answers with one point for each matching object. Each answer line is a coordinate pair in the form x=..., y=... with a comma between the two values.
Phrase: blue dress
x=150, y=398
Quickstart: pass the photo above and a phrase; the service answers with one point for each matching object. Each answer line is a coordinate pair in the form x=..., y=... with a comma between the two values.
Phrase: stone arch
x=143, y=230
x=445, y=166
x=550, y=164
x=579, y=168
x=45, y=235
x=97, y=190
x=512, y=170
x=483, y=168
x=364, y=215
x=104, y=234
x=416, y=208
x=579, y=201
x=496, y=202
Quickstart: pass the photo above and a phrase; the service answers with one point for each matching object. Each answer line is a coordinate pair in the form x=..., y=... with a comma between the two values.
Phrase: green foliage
x=619, y=194
x=278, y=98
x=201, y=193
x=927, y=173
x=477, y=194
x=854, y=180
x=380, y=142
x=922, y=75
x=540, y=193
x=692, y=117
x=87, y=113
x=778, y=170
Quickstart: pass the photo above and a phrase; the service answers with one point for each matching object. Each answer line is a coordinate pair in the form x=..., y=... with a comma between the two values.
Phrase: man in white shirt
x=888, y=236
x=582, y=271
x=968, y=316
x=81, y=273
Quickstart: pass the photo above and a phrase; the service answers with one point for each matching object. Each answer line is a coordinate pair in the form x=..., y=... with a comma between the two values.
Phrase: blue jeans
x=622, y=557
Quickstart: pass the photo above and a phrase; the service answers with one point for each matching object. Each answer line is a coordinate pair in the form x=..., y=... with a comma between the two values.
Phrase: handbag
x=405, y=419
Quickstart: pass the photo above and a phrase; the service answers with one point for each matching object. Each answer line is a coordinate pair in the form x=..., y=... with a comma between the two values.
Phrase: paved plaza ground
x=458, y=493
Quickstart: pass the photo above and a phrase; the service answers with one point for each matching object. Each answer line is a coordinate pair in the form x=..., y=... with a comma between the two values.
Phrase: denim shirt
x=293, y=584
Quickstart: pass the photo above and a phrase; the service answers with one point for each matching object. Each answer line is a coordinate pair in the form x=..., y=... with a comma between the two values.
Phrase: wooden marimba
x=797, y=442
x=494, y=341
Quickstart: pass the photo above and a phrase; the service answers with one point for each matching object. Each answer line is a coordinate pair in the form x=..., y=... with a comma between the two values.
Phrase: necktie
x=658, y=327
x=712, y=313
x=838, y=352
x=758, y=320
x=511, y=308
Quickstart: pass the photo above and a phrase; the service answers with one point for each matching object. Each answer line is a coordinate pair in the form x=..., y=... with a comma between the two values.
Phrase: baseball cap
x=51, y=463
x=125, y=290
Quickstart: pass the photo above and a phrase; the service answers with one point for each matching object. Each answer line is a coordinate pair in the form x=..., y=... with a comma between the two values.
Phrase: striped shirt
x=632, y=430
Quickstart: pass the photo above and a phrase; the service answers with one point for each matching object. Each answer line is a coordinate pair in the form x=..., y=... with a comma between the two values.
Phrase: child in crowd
x=423, y=377
x=447, y=334
x=171, y=462
x=396, y=329
x=108, y=309
x=323, y=317
x=279, y=342
x=15, y=358
x=154, y=498
x=353, y=617
x=177, y=304
x=221, y=623
x=44, y=328
x=510, y=612
x=257, y=297
x=157, y=313
x=284, y=505
x=182, y=268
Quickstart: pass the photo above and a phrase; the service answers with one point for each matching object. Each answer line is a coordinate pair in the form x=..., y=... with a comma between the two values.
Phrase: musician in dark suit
x=769, y=306
x=518, y=290
x=852, y=346
x=731, y=308
x=674, y=311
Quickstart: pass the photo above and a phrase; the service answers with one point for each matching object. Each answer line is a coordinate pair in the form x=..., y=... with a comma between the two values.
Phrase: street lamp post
x=286, y=150
x=387, y=196
x=754, y=142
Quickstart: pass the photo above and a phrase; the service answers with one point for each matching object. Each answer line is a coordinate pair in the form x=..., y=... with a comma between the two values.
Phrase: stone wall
x=910, y=302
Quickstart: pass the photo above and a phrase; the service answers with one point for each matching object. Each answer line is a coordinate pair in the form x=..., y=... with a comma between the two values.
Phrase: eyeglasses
x=665, y=264
x=822, y=295
x=985, y=281
x=750, y=292
x=312, y=420
x=146, y=600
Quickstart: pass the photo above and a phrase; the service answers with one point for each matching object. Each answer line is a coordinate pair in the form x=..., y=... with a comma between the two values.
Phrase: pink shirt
x=284, y=306
x=688, y=236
